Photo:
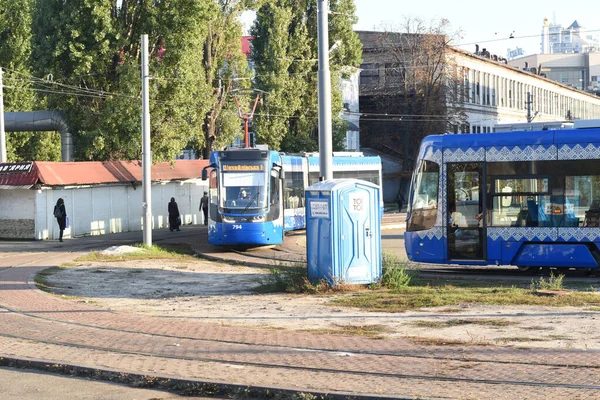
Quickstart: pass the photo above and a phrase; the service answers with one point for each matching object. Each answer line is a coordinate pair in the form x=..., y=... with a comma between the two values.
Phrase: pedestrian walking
x=400, y=200
x=174, y=216
x=60, y=213
x=204, y=207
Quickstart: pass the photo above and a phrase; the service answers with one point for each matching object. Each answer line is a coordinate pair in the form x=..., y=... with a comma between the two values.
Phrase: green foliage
x=395, y=276
x=554, y=282
x=18, y=96
x=285, y=53
x=91, y=49
x=281, y=279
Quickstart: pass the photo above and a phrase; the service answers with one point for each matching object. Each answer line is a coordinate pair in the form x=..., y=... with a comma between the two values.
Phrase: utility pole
x=529, y=118
x=146, y=154
x=325, y=135
x=2, y=133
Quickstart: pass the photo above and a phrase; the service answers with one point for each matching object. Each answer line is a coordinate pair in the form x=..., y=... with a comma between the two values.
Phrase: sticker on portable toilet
x=358, y=202
x=319, y=209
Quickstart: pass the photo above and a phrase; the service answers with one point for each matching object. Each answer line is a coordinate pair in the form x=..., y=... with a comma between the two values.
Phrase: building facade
x=579, y=70
x=557, y=39
x=100, y=197
x=491, y=91
x=497, y=93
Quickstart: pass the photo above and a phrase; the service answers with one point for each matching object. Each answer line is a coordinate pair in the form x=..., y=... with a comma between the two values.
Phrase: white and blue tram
x=526, y=199
x=256, y=195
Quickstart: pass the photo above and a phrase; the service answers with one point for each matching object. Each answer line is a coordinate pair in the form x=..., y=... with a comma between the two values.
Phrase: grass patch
x=520, y=339
x=294, y=279
x=538, y=328
x=369, y=331
x=496, y=323
x=592, y=309
x=283, y=279
x=445, y=342
x=178, y=252
x=560, y=337
x=41, y=278
x=438, y=293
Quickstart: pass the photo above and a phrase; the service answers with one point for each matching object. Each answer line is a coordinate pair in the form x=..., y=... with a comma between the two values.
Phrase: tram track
x=323, y=354
x=464, y=361
x=395, y=354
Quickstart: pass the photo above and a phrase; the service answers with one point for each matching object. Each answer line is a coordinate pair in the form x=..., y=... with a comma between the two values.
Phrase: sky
x=487, y=23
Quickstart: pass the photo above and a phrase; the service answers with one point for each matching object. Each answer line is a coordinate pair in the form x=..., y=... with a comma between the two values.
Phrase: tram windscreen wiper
x=252, y=200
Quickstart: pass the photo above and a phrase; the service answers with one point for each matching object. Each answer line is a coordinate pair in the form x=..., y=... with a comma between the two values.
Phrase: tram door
x=465, y=225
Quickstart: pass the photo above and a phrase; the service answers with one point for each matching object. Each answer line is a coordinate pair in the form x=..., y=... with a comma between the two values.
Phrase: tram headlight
x=228, y=220
x=258, y=218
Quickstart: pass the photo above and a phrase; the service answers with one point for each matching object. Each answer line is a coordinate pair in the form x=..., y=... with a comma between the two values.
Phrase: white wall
x=100, y=210
x=16, y=213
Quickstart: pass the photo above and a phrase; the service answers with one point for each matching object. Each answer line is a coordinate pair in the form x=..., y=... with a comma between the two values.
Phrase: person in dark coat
x=204, y=207
x=174, y=216
x=60, y=213
x=400, y=200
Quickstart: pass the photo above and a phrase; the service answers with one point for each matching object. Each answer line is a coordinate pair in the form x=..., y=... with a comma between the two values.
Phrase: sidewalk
x=43, y=331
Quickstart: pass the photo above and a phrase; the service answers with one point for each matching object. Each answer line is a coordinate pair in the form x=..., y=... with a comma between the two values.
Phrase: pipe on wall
x=40, y=121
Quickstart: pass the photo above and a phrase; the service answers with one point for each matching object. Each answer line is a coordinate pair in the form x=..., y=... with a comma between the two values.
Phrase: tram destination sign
x=243, y=167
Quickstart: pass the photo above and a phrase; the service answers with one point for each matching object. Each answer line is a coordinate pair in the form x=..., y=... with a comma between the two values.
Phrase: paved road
x=38, y=330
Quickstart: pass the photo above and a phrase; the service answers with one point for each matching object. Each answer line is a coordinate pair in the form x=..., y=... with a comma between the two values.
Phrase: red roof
x=95, y=172
x=246, y=49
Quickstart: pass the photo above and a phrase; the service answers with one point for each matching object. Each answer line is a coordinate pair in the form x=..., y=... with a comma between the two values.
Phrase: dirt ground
x=220, y=293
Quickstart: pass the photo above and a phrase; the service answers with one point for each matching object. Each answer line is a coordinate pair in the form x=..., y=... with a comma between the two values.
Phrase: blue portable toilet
x=343, y=231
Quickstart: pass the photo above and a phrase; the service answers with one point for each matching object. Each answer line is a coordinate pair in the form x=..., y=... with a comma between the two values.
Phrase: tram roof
x=514, y=138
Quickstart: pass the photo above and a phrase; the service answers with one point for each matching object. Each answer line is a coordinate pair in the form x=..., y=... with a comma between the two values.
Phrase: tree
x=225, y=69
x=285, y=53
x=92, y=50
x=15, y=52
x=418, y=95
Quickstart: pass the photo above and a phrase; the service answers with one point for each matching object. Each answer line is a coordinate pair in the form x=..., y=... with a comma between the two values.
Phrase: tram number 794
x=237, y=227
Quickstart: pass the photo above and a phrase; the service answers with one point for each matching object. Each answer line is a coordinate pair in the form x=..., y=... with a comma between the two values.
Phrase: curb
x=187, y=387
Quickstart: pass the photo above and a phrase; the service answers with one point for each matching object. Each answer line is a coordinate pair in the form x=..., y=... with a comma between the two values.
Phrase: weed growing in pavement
x=394, y=273
x=495, y=323
x=283, y=279
x=369, y=331
x=294, y=279
x=554, y=282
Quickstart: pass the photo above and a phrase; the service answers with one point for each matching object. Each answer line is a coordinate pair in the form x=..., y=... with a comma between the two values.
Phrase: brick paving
x=40, y=327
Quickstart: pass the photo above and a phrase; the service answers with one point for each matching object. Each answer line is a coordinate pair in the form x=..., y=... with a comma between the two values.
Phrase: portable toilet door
x=356, y=232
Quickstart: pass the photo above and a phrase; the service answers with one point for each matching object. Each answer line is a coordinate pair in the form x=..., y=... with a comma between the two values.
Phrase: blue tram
x=255, y=195
x=526, y=199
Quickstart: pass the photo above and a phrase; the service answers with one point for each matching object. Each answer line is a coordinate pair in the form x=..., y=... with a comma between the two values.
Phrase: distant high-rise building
x=557, y=39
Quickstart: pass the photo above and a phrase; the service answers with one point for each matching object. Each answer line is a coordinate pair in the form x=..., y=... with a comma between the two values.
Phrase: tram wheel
x=529, y=270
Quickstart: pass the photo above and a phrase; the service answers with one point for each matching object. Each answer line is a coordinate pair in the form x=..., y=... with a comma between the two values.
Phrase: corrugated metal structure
x=100, y=197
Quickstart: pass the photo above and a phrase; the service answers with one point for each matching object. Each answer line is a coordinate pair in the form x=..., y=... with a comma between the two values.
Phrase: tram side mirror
x=205, y=171
x=279, y=169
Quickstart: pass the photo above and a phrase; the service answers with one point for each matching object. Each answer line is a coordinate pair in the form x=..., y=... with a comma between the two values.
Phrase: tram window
x=582, y=198
x=425, y=197
x=294, y=189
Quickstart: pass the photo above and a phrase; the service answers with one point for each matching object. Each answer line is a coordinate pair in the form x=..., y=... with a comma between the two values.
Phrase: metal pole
x=528, y=107
x=2, y=133
x=325, y=135
x=146, y=154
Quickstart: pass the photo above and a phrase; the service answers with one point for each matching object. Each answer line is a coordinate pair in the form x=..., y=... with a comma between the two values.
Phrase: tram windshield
x=243, y=186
